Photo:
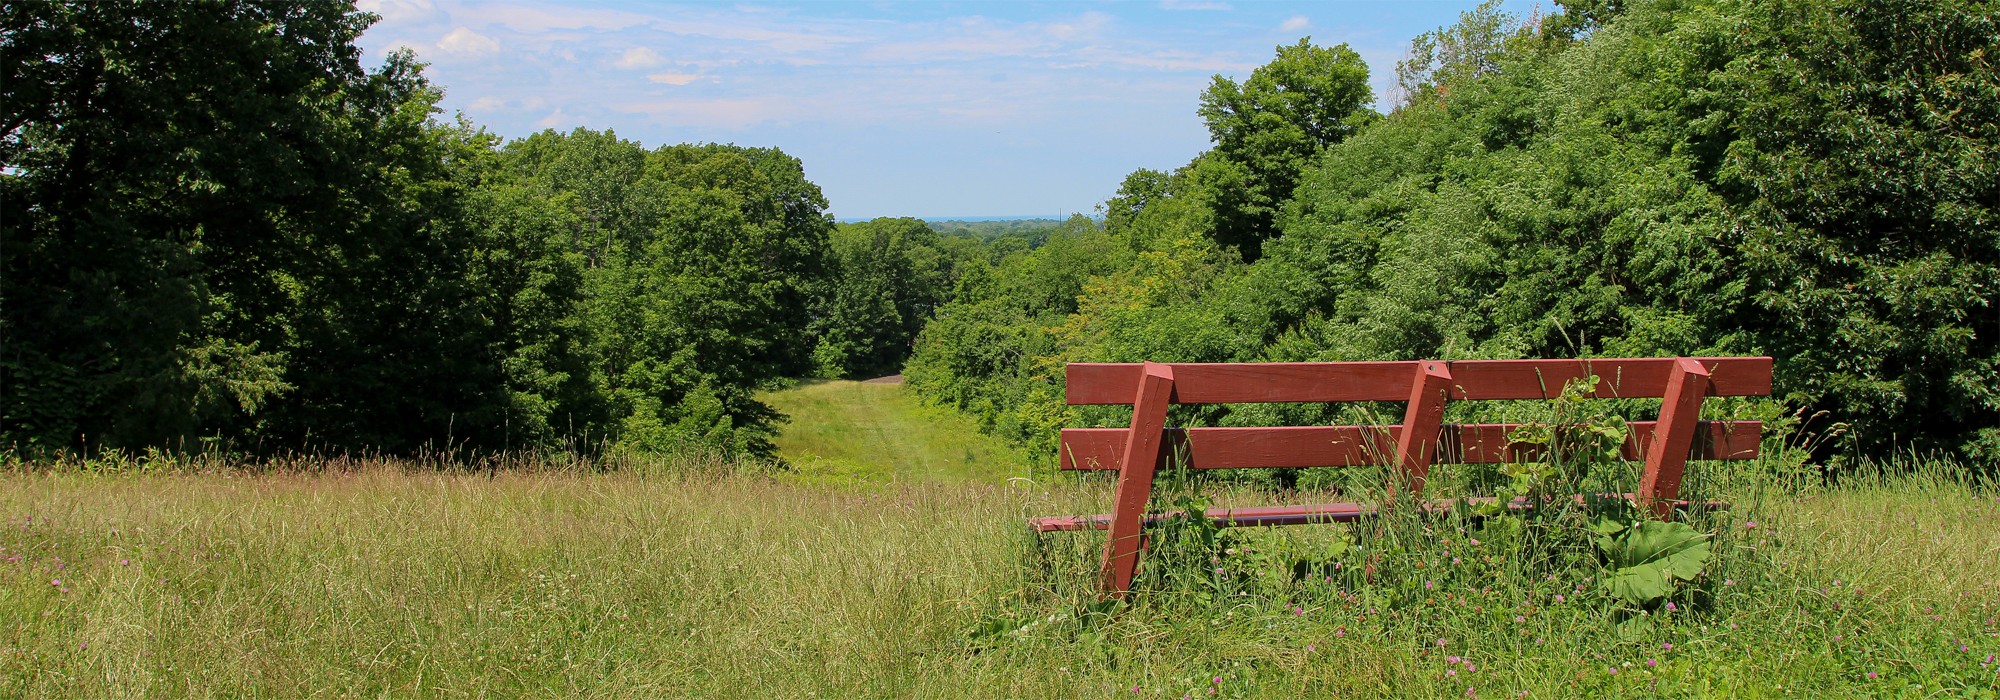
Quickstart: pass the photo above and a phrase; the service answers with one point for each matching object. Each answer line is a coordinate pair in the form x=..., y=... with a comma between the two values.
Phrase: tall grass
x=372, y=578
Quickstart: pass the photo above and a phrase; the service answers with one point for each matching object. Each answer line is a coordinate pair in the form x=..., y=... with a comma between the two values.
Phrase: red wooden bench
x=1137, y=452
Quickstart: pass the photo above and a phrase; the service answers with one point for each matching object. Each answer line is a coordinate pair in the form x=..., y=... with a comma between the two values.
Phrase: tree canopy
x=1816, y=182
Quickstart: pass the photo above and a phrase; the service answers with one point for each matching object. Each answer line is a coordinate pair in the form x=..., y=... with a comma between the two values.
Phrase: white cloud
x=639, y=57
x=467, y=42
x=1085, y=26
x=1192, y=5
x=491, y=103
x=555, y=119
x=1297, y=22
x=538, y=20
x=729, y=113
x=402, y=11
x=673, y=78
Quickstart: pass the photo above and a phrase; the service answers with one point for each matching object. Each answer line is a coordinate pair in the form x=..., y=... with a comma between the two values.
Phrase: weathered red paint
x=1420, y=441
x=1472, y=380
x=1416, y=442
x=1673, y=434
x=1135, y=484
x=1266, y=516
x=1100, y=449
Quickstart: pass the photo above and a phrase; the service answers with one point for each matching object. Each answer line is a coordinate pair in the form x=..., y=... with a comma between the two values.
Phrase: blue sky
x=897, y=109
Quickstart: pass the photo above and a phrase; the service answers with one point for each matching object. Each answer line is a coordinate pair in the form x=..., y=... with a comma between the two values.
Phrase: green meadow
x=688, y=578
x=849, y=432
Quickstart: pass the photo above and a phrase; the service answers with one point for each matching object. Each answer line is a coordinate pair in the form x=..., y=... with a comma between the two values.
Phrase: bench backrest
x=1089, y=449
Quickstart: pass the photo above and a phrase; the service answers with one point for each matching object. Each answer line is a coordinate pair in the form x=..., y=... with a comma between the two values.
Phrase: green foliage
x=1645, y=560
x=1268, y=128
x=700, y=266
x=217, y=227
x=1815, y=182
x=890, y=275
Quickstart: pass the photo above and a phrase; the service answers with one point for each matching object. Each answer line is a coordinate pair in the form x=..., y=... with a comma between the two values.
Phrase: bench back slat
x=1332, y=382
x=1099, y=449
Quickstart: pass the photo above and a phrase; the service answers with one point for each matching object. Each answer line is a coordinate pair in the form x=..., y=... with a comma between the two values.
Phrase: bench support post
x=1135, y=479
x=1673, y=437
x=1417, y=447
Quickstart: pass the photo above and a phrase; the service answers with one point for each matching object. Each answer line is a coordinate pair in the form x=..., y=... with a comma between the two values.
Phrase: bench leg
x=1135, y=480
x=1416, y=447
x=1673, y=437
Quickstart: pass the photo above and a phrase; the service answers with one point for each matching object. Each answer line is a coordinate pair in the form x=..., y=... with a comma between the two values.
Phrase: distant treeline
x=1819, y=182
x=1034, y=230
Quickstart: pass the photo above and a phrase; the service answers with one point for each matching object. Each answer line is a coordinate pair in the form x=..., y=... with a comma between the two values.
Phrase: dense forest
x=1819, y=182
x=219, y=230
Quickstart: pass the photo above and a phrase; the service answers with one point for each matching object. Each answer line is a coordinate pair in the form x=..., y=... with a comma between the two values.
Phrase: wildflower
x=1217, y=680
x=1429, y=585
x=1475, y=542
x=1441, y=642
x=1669, y=646
x=1452, y=659
x=124, y=562
x=1749, y=524
x=1455, y=560
x=1520, y=619
x=55, y=582
x=1341, y=632
x=1336, y=567
x=1652, y=663
x=1560, y=598
x=1449, y=673
x=1135, y=689
x=1670, y=606
x=1471, y=667
x=1612, y=669
x=1871, y=675
x=1728, y=582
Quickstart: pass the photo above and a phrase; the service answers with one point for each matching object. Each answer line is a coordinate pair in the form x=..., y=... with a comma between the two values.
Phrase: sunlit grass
x=385, y=581
x=847, y=432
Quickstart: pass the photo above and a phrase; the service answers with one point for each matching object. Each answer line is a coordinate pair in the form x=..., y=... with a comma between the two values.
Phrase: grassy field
x=375, y=579
x=847, y=432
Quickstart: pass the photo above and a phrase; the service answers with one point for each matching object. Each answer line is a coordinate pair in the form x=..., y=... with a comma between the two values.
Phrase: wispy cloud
x=877, y=89
x=639, y=57
x=401, y=11
x=466, y=42
x=673, y=78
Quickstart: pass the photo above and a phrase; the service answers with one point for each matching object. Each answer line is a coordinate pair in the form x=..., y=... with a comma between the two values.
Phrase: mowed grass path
x=845, y=432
